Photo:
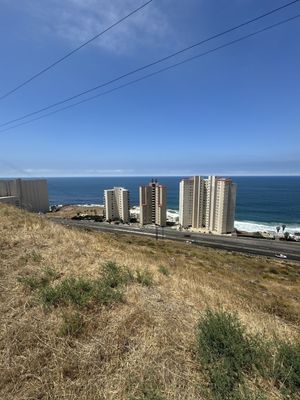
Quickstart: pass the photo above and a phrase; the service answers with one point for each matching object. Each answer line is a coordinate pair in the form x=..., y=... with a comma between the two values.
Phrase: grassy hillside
x=97, y=316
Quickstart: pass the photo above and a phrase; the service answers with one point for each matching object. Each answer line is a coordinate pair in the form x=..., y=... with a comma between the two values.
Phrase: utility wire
x=73, y=51
x=157, y=72
x=148, y=65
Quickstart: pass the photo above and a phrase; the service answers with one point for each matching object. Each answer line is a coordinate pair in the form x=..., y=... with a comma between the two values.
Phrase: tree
x=283, y=227
x=286, y=235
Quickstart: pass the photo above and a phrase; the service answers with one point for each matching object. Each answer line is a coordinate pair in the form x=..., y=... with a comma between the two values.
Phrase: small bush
x=79, y=291
x=227, y=352
x=287, y=367
x=114, y=275
x=72, y=324
x=105, y=294
x=164, y=270
x=76, y=291
x=144, y=277
x=50, y=296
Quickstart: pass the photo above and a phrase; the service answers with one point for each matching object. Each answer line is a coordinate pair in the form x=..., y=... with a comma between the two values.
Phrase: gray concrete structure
x=30, y=194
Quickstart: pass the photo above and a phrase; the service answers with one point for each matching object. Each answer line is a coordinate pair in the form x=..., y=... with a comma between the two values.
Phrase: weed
x=51, y=273
x=164, y=270
x=50, y=296
x=76, y=291
x=33, y=282
x=227, y=352
x=287, y=367
x=72, y=324
x=38, y=282
x=105, y=294
x=80, y=292
x=144, y=277
x=114, y=275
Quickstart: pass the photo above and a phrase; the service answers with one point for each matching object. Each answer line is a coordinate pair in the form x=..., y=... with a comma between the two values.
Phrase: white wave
x=251, y=226
x=172, y=211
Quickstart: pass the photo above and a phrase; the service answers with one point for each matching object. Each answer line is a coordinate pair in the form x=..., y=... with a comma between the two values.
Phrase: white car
x=280, y=255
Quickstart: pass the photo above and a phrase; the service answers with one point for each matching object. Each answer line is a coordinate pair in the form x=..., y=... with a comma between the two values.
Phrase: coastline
x=247, y=226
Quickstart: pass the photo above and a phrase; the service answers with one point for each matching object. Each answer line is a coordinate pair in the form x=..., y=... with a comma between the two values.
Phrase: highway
x=262, y=247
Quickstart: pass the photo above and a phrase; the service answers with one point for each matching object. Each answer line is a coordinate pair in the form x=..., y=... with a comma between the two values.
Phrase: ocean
x=262, y=202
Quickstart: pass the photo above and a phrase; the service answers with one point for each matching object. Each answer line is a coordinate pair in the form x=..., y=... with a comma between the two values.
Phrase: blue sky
x=233, y=112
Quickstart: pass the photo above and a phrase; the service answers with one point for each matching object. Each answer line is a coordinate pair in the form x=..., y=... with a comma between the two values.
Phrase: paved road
x=253, y=246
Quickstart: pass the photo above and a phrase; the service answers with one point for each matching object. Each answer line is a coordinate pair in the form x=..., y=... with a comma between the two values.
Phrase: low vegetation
x=81, y=292
x=231, y=356
x=91, y=316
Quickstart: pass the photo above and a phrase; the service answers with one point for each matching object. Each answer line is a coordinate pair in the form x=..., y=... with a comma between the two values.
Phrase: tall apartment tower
x=207, y=204
x=153, y=204
x=117, y=204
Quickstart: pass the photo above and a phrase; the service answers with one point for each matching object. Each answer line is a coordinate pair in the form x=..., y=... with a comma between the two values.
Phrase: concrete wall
x=12, y=200
x=32, y=194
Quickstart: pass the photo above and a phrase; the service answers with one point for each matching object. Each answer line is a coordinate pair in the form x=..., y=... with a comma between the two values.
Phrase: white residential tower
x=207, y=204
x=117, y=204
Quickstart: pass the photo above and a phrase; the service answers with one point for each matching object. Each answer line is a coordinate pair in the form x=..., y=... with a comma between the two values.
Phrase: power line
x=156, y=72
x=73, y=51
x=148, y=65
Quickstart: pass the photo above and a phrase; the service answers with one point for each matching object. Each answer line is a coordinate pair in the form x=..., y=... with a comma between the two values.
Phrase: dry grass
x=72, y=211
x=143, y=345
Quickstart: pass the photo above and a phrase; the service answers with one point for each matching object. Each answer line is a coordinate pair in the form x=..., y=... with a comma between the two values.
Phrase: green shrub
x=72, y=324
x=79, y=291
x=105, y=294
x=164, y=270
x=144, y=277
x=76, y=291
x=227, y=352
x=50, y=296
x=114, y=275
x=287, y=367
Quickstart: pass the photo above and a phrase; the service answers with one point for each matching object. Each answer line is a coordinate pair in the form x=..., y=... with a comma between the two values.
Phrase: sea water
x=262, y=202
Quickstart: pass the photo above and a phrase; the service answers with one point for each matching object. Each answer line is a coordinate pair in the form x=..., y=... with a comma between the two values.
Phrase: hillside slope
x=66, y=333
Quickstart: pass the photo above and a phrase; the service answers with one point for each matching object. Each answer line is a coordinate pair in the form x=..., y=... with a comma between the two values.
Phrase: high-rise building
x=207, y=204
x=153, y=204
x=117, y=204
x=30, y=194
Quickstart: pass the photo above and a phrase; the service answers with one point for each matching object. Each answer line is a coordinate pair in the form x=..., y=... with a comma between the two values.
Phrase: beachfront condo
x=207, y=204
x=117, y=204
x=153, y=204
